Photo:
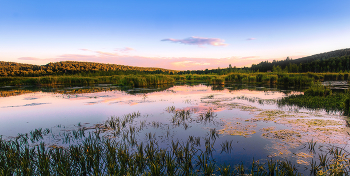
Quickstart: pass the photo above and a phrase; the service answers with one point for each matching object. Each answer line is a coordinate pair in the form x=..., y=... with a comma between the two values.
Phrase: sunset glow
x=179, y=35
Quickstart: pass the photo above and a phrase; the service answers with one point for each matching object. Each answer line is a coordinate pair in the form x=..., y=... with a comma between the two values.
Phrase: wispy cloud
x=106, y=53
x=249, y=57
x=28, y=58
x=251, y=38
x=186, y=63
x=198, y=41
x=125, y=49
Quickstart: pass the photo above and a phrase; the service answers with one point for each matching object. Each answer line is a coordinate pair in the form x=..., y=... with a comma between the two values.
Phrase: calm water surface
x=247, y=118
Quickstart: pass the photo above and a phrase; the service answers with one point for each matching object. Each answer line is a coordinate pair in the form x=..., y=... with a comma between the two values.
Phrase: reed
x=95, y=153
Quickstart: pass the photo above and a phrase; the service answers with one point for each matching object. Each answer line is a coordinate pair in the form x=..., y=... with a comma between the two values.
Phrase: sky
x=180, y=35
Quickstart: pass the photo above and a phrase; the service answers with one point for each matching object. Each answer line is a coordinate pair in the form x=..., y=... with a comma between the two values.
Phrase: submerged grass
x=113, y=150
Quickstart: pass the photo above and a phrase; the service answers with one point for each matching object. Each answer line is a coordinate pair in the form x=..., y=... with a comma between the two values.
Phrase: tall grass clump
x=317, y=89
x=316, y=96
x=293, y=80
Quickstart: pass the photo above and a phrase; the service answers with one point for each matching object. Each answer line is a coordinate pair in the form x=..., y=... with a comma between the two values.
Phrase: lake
x=239, y=123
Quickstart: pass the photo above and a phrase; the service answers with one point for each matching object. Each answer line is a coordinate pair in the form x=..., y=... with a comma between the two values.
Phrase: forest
x=74, y=68
x=334, y=61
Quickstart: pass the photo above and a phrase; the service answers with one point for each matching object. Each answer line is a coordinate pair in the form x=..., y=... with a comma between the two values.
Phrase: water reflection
x=232, y=123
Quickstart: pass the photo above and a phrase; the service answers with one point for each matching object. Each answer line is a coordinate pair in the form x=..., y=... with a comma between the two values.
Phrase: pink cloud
x=251, y=38
x=249, y=57
x=198, y=41
x=106, y=53
x=28, y=58
x=80, y=56
x=176, y=63
x=125, y=49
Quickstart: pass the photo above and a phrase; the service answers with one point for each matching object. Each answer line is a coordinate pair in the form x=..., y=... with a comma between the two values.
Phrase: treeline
x=333, y=61
x=75, y=68
x=92, y=69
x=218, y=71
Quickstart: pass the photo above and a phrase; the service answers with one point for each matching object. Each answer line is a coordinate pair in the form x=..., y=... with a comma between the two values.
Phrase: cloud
x=76, y=56
x=106, y=53
x=198, y=41
x=175, y=63
x=187, y=63
x=125, y=49
x=249, y=57
x=28, y=58
x=251, y=38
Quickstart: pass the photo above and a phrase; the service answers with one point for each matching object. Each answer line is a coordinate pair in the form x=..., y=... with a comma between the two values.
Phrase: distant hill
x=323, y=56
x=333, y=61
x=324, y=62
x=73, y=67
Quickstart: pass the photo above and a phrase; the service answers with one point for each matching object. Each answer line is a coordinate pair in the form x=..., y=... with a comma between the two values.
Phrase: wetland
x=181, y=129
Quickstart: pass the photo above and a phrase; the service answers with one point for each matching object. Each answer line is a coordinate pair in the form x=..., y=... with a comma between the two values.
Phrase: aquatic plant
x=317, y=89
x=116, y=147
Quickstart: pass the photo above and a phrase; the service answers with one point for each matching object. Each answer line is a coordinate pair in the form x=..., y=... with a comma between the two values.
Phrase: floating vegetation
x=304, y=155
x=238, y=129
x=271, y=113
x=285, y=135
x=316, y=122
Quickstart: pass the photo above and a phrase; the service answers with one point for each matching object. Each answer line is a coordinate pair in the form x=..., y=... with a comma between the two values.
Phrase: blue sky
x=171, y=34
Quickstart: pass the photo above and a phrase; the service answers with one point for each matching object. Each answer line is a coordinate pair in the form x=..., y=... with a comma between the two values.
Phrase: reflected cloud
x=31, y=104
x=92, y=103
x=134, y=103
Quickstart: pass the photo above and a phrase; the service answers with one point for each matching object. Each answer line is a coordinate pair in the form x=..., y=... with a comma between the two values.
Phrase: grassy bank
x=329, y=103
x=124, y=80
x=285, y=79
x=143, y=80
x=318, y=96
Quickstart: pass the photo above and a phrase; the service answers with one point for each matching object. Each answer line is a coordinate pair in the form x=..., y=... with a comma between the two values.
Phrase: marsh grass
x=318, y=96
x=112, y=148
x=311, y=145
x=142, y=80
x=226, y=146
x=207, y=117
